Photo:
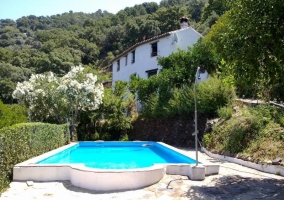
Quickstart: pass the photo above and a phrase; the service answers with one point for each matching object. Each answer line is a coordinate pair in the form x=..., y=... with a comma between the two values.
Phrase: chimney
x=183, y=22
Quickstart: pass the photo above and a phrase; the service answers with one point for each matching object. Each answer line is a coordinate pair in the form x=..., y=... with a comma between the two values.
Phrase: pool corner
x=197, y=173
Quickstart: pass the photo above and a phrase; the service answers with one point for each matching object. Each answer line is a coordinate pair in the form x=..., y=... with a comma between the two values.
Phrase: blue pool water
x=117, y=155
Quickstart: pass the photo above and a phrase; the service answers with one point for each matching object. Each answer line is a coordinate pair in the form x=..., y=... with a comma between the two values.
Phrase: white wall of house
x=144, y=61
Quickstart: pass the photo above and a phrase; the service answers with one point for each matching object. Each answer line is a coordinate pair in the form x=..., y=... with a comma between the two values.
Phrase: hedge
x=23, y=141
x=12, y=114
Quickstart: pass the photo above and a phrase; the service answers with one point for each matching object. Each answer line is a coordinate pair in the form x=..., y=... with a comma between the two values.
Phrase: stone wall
x=176, y=131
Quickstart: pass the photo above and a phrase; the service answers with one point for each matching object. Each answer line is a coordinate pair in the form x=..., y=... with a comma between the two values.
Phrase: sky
x=14, y=9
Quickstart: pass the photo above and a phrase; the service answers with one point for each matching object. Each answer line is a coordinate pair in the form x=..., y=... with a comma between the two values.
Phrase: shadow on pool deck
x=226, y=187
x=238, y=187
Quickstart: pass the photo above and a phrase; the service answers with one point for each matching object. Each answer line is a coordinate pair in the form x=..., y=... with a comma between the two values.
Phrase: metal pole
x=195, y=115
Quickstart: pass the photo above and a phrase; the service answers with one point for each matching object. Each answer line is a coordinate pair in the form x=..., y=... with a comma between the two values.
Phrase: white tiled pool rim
x=105, y=179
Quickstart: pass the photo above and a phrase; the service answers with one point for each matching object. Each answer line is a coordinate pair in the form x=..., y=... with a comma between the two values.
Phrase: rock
x=245, y=158
x=221, y=152
x=269, y=162
x=276, y=161
x=214, y=151
x=227, y=153
x=30, y=183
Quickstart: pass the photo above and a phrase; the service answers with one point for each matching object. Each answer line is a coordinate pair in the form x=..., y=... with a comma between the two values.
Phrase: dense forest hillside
x=36, y=44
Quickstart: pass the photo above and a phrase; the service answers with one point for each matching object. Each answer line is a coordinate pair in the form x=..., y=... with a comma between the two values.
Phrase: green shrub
x=281, y=121
x=12, y=114
x=225, y=112
x=23, y=141
x=113, y=118
x=253, y=131
x=235, y=134
x=124, y=138
x=206, y=140
x=182, y=101
x=153, y=107
x=211, y=95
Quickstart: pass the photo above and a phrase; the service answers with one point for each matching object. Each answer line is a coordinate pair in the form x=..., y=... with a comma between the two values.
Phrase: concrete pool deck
x=233, y=182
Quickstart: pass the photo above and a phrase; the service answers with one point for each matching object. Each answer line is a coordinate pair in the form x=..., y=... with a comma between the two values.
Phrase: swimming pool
x=117, y=173
x=118, y=155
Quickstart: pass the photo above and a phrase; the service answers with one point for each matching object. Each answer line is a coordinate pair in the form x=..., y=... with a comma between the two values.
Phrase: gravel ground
x=233, y=182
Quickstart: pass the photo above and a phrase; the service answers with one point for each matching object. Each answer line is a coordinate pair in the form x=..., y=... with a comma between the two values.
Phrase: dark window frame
x=126, y=57
x=154, y=49
x=118, y=65
x=152, y=72
x=133, y=57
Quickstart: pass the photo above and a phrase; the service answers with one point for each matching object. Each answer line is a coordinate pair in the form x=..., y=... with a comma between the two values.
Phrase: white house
x=141, y=58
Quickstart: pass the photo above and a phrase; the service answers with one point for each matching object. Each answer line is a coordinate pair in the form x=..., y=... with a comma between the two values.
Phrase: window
x=125, y=60
x=154, y=49
x=118, y=65
x=151, y=72
x=133, y=57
